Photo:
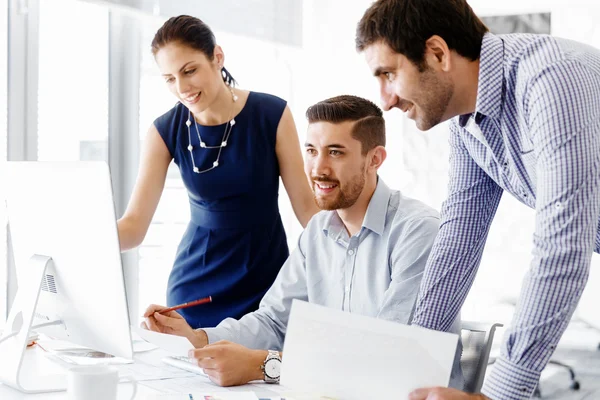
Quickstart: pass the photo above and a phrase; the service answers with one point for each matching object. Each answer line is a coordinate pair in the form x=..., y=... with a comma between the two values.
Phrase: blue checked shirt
x=535, y=134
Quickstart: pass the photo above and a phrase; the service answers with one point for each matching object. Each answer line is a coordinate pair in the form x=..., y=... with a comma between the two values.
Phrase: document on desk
x=347, y=356
x=142, y=371
x=177, y=345
x=196, y=384
x=204, y=396
x=70, y=353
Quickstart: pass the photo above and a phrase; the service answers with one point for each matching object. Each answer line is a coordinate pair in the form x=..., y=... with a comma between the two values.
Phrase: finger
x=143, y=325
x=219, y=343
x=207, y=363
x=152, y=325
x=173, y=314
x=208, y=351
x=167, y=321
x=419, y=394
x=152, y=308
x=213, y=375
x=170, y=314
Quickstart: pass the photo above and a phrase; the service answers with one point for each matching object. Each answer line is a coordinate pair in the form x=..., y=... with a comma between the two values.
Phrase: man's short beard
x=346, y=196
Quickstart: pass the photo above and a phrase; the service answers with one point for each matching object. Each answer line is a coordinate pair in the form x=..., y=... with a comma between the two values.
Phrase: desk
x=38, y=363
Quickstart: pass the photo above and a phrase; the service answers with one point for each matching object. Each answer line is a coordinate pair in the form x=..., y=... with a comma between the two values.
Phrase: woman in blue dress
x=231, y=147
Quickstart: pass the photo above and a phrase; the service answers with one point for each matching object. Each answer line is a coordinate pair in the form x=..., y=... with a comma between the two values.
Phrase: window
x=62, y=68
x=73, y=81
x=3, y=157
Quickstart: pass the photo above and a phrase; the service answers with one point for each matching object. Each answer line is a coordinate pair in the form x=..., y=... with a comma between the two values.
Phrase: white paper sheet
x=70, y=353
x=185, y=385
x=140, y=345
x=142, y=371
x=52, y=345
x=204, y=396
x=333, y=353
x=177, y=345
x=197, y=385
x=87, y=357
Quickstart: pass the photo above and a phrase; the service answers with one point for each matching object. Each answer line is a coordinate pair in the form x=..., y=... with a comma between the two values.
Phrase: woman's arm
x=291, y=168
x=147, y=191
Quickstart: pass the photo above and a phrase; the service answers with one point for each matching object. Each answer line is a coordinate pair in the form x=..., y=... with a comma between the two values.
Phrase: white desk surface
x=38, y=362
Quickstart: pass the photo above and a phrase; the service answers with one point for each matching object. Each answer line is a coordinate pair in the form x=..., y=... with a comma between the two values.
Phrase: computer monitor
x=62, y=214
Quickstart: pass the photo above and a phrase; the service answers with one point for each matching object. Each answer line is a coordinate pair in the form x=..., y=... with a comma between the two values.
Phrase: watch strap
x=272, y=355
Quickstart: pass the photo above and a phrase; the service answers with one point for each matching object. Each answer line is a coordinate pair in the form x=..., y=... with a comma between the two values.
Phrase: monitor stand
x=19, y=322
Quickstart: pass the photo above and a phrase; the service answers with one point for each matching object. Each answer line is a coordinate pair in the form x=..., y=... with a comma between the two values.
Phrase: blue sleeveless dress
x=235, y=243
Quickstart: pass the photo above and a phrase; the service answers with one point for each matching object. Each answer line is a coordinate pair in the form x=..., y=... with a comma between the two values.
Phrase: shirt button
x=350, y=251
x=558, y=205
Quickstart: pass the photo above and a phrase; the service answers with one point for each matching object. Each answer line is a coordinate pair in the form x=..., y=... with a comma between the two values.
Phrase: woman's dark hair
x=192, y=32
x=369, y=128
x=405, y=26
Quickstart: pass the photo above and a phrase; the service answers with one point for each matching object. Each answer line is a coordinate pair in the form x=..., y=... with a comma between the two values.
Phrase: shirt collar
x=490, y=89
x=374, y=218
x=377, y=209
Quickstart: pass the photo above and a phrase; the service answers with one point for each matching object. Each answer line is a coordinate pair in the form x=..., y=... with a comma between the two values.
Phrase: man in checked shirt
x=525, y=115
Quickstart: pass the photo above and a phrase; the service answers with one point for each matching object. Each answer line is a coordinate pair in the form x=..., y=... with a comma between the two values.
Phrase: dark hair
x=369, y=128
x=405, y=26
x=191, y=32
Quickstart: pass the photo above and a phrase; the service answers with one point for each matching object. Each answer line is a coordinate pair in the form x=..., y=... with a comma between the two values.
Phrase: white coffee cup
x=98, y=382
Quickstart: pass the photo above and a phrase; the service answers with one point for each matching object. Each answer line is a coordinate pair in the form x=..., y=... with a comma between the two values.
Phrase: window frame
x=22, y=116
x=22, y=49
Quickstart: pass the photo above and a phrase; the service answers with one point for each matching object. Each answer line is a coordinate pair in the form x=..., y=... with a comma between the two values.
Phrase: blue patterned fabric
x=536, y=135
x=235, y=243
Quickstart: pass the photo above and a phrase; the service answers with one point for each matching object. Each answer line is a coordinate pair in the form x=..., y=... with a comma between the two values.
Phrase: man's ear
x=437, y=54
x=378, y=156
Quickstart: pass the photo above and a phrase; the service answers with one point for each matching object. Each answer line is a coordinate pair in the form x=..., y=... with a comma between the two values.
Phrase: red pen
x=188, y=304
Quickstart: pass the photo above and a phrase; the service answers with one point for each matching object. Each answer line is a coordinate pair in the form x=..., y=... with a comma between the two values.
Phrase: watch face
x=273, y=368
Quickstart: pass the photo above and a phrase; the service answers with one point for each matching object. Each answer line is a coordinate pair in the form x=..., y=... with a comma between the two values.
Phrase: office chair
x=477, y=338
x=575, y=385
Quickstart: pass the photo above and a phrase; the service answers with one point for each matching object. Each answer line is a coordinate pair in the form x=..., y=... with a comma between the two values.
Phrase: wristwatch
x=272, y=367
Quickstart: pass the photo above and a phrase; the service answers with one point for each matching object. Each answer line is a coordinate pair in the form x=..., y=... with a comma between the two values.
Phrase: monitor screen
x=65, y=211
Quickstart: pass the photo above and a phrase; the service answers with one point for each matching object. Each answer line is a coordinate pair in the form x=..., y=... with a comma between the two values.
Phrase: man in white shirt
x=364, y=253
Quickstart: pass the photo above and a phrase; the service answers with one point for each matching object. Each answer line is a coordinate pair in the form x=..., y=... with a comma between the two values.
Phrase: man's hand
x=440, y=393
x=230, y=364
x=173, y=324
